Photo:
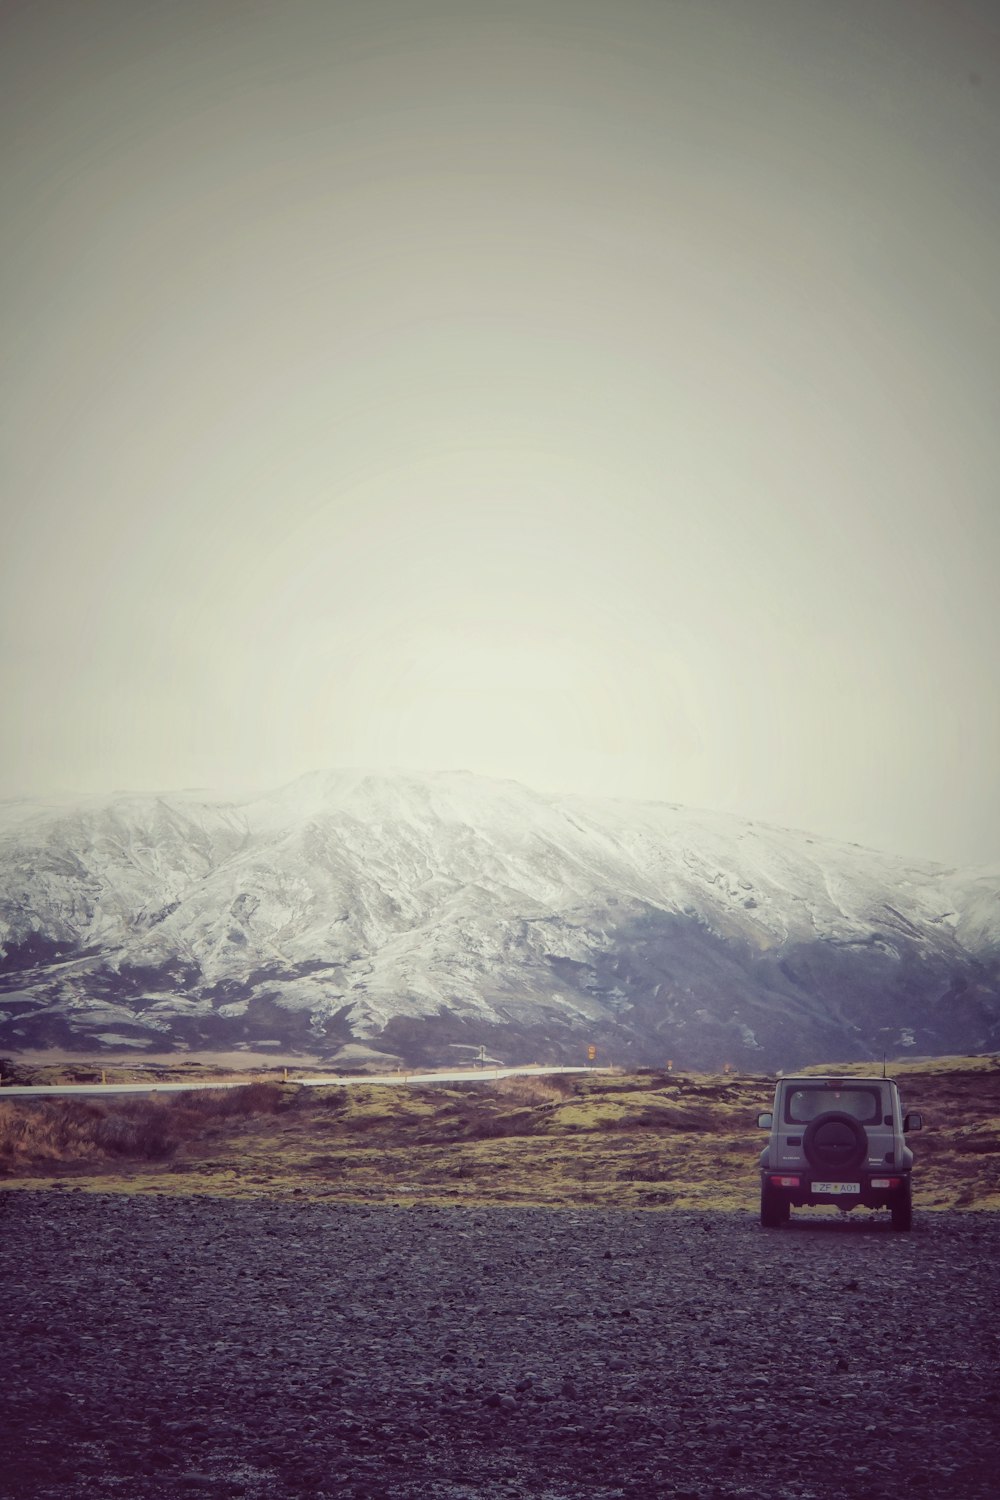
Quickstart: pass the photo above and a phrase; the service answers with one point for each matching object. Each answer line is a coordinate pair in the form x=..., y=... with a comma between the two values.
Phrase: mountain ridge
x=422, y=912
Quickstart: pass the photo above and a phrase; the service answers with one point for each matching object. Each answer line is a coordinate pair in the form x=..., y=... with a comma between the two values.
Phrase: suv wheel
x=773, y=1212
x=902, y=1208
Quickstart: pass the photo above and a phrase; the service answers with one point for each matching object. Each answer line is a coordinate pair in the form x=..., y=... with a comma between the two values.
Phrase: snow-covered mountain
x=423, y=914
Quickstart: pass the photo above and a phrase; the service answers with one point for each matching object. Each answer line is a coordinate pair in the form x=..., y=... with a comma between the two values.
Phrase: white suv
x=839, y=1141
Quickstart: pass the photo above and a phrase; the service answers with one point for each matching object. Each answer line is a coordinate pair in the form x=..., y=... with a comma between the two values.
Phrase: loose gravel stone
x=174, y=1347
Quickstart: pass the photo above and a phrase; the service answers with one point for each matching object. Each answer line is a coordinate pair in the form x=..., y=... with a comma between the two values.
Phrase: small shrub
x=224, y=1104
x=530, y=1090
x=145, y=1135
x=335, y=1099
x=35, y=1135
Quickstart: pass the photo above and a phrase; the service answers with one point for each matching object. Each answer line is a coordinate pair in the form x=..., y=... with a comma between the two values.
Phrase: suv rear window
x=803, y=1105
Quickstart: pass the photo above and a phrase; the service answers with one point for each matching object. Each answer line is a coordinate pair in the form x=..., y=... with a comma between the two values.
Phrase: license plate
x=836, y=1187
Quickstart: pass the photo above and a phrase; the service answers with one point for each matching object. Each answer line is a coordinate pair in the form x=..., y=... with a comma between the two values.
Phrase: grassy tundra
x=647, y=1140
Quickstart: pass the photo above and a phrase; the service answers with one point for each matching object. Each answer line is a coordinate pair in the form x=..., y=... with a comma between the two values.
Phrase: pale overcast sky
x=603, y=395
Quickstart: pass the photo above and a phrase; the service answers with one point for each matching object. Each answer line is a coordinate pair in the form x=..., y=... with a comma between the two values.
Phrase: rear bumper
x=875, y=1189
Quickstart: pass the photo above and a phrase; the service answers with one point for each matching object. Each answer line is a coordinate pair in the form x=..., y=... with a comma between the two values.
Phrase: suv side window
x=803, y=1105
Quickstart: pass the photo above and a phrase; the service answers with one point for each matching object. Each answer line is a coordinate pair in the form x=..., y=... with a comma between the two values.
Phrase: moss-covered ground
x=647, y=1140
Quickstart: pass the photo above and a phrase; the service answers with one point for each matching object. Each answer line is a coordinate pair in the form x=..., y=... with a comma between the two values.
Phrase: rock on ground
x=184, y=1347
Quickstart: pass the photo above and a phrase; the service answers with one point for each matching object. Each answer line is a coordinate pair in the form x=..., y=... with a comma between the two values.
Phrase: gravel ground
x=183, y=1347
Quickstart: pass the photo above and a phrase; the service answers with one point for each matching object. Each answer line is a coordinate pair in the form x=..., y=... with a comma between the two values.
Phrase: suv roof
x=838, y=1078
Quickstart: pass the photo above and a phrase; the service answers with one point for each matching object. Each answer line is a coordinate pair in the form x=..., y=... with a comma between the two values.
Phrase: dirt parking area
x=178, y=1347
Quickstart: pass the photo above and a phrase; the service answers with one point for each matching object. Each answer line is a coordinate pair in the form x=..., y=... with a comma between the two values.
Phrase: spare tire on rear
x=835, y=1142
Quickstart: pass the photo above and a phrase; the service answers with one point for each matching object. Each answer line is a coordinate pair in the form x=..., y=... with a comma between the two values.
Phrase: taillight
x=784, y=1182
x=887, y=1182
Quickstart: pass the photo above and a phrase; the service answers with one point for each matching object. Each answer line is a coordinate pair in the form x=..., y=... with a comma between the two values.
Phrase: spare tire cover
x=835, y=1142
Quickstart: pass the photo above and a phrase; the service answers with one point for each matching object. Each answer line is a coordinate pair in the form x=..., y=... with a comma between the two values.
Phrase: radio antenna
x=883, y=1064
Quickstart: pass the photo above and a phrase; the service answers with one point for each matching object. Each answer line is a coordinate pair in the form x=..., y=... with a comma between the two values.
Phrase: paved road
x=466, y=1075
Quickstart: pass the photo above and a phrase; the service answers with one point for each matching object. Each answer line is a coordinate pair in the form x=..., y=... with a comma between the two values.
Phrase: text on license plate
x=836, y=1187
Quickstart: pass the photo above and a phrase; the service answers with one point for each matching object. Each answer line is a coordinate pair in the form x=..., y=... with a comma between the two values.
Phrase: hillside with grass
x=648, y=1140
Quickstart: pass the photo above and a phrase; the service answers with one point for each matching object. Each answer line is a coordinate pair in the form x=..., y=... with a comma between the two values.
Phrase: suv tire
x=902, y=1209
x=772, y=1211
x=835, y=1142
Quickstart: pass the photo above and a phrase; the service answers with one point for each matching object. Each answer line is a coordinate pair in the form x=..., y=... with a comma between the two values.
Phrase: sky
x=603, y=396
